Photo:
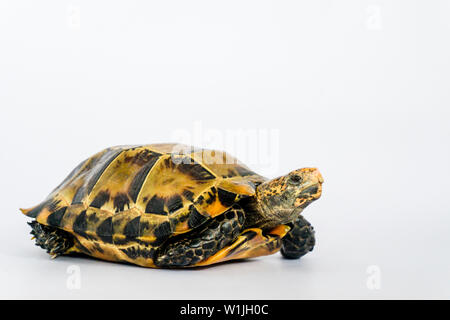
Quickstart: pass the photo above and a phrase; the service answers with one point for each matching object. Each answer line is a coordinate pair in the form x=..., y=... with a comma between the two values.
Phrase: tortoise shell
x=145, y=193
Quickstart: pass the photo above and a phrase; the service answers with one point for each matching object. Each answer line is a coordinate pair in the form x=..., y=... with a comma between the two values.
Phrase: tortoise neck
x=258, y=213
x=270, y=204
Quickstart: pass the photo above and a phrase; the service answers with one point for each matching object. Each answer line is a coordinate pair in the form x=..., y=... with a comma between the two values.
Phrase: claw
x=52, y=240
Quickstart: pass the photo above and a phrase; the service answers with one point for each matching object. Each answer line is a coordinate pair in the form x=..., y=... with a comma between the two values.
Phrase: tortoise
x=172, y=205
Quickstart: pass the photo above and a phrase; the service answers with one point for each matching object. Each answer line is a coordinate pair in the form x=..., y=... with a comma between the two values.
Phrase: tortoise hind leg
x=191, y=249
x=299, y=241
x=55, y=241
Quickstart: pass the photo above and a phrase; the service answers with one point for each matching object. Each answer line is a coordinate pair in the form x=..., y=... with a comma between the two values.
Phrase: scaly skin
x=192, y=249
x=299, y=240
x=55, y=241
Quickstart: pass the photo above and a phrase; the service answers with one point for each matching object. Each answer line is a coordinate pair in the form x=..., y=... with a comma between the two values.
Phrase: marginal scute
x=226, y=198
x=239, y=186
x=80, y=225
x=105, y=230
x=120, y=222
x=131, y=230
x=149, y=224
x=163, y=230
x=71, y=214
x=46, y=208
x=33, y=212
x=195, y=218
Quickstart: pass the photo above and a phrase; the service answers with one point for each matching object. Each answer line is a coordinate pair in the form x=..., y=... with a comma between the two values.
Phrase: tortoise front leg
x=251, y=243
x=191, y=249
x=299, y=240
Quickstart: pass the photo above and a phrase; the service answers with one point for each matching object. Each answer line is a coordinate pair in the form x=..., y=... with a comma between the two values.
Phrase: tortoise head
x=283, y=199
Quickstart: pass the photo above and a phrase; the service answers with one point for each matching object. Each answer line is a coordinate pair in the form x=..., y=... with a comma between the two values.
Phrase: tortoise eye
x=295, y=179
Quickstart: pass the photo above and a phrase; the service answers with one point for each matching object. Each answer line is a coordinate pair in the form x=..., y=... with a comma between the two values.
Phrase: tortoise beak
x=311, y=191
x=318, y=176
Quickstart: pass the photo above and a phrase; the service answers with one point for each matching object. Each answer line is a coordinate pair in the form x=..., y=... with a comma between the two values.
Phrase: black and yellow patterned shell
x=146, y=193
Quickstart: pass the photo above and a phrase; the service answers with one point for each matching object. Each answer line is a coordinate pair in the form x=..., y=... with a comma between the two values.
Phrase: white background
x=359, y=89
